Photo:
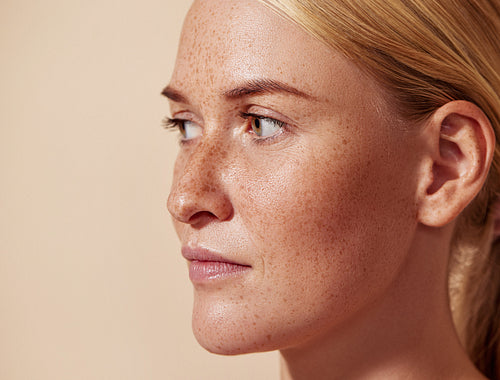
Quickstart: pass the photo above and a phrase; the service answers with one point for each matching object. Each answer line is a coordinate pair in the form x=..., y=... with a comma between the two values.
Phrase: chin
x=222, y=344
x=228, y=337
x=234, y=329
x=229, y=329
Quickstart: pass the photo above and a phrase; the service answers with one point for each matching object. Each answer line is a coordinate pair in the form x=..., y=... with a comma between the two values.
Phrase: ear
x=459, y=149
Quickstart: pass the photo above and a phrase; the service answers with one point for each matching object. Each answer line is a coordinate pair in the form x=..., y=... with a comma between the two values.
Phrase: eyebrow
x=258, y=86
x=174, y=95
x=251, y=87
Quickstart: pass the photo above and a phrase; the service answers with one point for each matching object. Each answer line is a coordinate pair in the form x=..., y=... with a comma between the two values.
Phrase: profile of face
x=293, y=192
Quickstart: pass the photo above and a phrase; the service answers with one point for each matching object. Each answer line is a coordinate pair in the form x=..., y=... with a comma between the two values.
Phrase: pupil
x=257, y=124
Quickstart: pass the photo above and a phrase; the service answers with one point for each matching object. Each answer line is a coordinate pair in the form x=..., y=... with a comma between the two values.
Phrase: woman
x=337, y=170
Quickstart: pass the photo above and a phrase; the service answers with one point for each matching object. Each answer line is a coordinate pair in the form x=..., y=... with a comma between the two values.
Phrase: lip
x=207, y=266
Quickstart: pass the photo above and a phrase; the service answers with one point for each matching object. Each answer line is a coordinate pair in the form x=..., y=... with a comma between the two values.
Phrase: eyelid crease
x=248, y=115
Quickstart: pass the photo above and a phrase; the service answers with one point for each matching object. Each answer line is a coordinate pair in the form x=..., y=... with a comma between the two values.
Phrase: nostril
x=201, y=219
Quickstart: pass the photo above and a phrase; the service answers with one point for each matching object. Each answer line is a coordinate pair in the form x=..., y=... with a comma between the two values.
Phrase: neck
x=407, y=333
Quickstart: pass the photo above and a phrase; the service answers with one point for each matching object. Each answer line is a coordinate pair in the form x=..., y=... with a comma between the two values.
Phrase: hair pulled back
x=427, y=53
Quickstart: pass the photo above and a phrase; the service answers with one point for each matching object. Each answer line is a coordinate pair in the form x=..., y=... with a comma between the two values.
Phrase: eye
x=188, y=129
x=264, y=126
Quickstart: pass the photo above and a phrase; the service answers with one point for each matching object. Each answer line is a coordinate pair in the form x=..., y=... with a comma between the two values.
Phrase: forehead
x=225, y=42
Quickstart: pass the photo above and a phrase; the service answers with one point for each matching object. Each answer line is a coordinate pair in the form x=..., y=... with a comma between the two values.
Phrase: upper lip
x=203, y=254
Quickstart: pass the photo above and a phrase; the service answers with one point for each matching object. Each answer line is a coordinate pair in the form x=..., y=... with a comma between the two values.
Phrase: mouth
x=207, y=266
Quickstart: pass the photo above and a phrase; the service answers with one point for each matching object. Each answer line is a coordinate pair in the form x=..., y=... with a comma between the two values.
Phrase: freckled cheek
x=316, y=221
x=299, y=210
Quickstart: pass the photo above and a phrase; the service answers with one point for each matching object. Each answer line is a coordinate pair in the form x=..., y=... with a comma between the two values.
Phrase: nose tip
x=178, y=206
x=191, y=201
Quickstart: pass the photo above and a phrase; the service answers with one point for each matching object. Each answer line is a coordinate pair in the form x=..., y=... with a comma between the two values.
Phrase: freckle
x=269, y=337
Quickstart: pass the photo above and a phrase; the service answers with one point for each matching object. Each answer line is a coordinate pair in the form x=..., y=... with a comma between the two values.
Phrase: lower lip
x=202, y=271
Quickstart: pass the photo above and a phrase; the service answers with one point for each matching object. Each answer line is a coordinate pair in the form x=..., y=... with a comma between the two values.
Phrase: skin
x=325, y=212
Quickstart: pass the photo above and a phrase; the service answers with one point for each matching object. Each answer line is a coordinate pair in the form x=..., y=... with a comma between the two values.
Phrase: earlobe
x=460, y=145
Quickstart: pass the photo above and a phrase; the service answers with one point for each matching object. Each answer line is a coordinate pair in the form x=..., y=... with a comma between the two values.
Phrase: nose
x=199, y=191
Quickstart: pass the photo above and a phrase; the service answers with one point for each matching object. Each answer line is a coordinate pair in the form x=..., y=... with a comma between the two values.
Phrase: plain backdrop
x=92, y=283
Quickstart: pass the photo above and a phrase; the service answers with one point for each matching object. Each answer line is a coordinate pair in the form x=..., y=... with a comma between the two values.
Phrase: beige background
x=92, y=284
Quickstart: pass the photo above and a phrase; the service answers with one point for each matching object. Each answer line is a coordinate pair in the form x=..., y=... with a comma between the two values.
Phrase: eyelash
x=171, y=124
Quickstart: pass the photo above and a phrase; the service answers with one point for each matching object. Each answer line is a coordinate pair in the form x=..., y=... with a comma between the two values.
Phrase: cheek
x=329, y=231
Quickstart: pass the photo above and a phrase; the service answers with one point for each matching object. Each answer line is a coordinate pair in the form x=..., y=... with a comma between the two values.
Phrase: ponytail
x=475, y=291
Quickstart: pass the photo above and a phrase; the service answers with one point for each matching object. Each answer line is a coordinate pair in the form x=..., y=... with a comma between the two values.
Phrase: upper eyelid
x=267, y=114
x=248, y=115
x=185, y=115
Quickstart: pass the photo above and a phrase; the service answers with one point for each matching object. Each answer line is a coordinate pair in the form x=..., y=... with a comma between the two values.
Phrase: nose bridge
x=198, y=185
x=205, y=164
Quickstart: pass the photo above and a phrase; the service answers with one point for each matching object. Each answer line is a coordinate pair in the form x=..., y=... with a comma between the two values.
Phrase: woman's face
x=294, y=190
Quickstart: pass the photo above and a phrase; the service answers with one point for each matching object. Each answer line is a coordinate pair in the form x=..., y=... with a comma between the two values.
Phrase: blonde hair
x=427, y=53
